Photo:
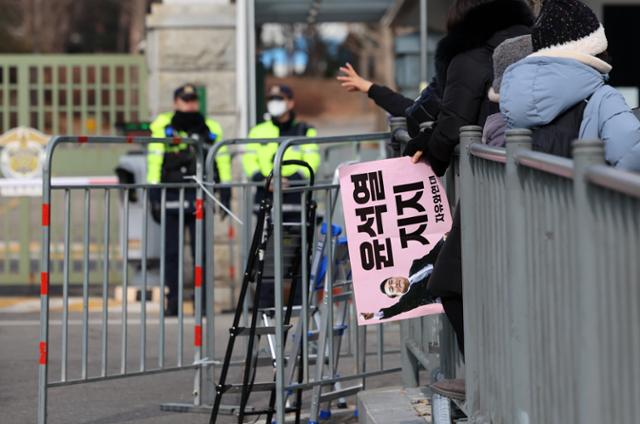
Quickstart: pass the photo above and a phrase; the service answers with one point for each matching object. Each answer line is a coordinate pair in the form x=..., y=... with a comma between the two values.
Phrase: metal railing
x=550, y=269
x=103, y=360
x=97, y=358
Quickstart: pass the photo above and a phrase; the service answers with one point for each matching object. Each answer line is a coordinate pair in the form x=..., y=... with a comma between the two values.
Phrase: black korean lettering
x=413, y=202
x=376, y=255
x=361, y=193
x=368, y=187
x=369, y=216
x=377, y=185
x=406, y=237
x=366, y=256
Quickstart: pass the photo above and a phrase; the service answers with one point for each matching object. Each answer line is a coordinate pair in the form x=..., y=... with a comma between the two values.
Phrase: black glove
x=418, y=143
x=421, y=143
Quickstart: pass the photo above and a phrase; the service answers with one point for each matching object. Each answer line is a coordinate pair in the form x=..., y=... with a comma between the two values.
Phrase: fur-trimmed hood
x=480, y=27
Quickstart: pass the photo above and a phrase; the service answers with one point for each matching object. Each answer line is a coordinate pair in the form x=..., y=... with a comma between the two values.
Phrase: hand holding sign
x=396, y=215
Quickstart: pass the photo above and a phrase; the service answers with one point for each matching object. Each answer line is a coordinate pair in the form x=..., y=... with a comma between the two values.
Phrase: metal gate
x=126, y=365
x=60, y=94
x=72, y=94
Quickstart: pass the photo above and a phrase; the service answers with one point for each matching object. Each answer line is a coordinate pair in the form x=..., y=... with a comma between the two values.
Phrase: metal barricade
x=550, y=248
x=107, y=371
x=429, y=342
x=327, y=351
x=318, y=378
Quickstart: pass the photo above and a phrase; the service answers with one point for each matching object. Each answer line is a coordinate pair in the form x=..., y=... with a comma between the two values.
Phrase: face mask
x=277, y=108
x=187, y=121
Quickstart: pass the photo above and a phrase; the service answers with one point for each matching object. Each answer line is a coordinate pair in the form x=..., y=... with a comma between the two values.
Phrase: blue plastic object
x=336, y=229
x=321, y=272
x=355, y=413
x=342, y=240
x=325, y=415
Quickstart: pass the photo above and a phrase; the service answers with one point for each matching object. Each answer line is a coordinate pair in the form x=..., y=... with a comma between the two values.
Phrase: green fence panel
x=63, y=94
x=72, y=94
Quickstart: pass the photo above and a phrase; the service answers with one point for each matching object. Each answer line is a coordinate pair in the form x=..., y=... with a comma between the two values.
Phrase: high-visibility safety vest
x=259, y=157
x=161, y=128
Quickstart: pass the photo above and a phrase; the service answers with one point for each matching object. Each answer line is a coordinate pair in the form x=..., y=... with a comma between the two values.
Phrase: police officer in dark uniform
x=171, y=164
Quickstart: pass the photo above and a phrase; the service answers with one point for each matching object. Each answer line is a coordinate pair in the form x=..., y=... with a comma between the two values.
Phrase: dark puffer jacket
x=464, y=63
x=468, y=50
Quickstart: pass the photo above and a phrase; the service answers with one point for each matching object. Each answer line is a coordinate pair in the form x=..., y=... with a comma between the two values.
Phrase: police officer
x=171, y=164
x=258, y=158
x=258, y=161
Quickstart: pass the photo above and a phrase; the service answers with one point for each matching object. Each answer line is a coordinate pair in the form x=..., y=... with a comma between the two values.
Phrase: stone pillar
x=193, y=41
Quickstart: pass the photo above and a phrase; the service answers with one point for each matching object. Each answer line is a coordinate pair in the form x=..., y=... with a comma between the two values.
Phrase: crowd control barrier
x=96, y=363
x=550, y=268
x=335, y=359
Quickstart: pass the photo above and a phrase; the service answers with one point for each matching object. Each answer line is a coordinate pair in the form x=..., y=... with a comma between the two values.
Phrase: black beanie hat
x=568, y=25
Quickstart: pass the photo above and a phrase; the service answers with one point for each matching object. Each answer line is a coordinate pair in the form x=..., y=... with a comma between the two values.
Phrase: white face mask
x=277, y=108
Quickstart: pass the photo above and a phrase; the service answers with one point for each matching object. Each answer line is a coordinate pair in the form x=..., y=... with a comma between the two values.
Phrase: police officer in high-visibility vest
x=258, y=162
x=171, y=164
x=258, y=158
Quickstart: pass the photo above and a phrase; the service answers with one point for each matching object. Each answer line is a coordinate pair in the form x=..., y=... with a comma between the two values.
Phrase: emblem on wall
x=22, y=153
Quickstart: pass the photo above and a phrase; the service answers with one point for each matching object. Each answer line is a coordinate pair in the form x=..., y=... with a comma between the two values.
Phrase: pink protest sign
x=396, y=215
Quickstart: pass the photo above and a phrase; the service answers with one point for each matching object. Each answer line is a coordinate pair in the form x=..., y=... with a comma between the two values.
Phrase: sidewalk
x=132, y=400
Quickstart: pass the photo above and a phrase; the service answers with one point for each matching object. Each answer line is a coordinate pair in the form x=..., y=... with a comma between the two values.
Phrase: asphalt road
x=134, y=399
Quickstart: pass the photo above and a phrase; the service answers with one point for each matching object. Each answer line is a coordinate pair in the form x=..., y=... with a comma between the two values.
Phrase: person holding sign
x=412, y=291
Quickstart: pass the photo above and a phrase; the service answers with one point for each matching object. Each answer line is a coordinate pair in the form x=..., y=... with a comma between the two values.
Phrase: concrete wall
x=193, y=41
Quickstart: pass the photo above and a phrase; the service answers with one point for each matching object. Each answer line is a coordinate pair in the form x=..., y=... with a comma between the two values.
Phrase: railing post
x=410, y=365
x=518, y=140
x=468, y=136
x=591, y=400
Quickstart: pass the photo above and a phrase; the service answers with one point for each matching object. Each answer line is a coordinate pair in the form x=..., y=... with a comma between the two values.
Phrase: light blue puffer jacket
x=536, y=90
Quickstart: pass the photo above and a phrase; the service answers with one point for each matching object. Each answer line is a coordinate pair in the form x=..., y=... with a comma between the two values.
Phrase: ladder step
x=263, y=361
x=266, y=411
x=342, y=297
x=256, y=387
x=259, y=331
x=338, y=331
x=295, y=312
x=347, y=391
x=347, y=283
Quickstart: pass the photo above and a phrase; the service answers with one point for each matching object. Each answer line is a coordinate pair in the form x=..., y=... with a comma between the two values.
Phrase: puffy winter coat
x=467, y=53
x=537, y=89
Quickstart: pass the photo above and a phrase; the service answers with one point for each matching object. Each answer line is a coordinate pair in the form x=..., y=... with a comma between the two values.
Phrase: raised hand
x=352, y=81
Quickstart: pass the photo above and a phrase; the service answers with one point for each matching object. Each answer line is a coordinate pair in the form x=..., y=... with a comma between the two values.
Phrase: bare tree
x=50, y=23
